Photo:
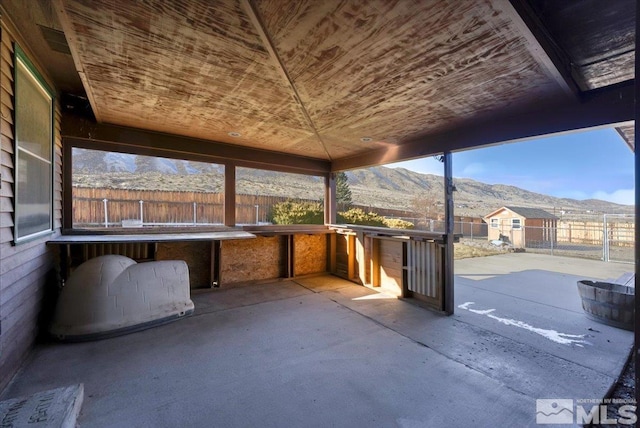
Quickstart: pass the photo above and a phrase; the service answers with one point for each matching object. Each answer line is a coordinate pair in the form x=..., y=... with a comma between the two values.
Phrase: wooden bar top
x=150, y=237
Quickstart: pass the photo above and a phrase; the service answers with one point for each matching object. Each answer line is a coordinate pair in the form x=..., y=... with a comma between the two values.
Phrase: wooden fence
x=619, y=233
x=163, y=207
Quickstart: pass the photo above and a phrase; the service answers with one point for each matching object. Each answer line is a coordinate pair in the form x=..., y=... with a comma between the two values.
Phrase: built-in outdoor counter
x=197, y=248
x=408, y=263
x=404, y=262
x=218, y=257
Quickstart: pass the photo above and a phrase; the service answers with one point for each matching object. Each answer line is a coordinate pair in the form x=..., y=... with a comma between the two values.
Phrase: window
x=115, y=190
x=495, y=223
x=271, y=197
x=33, y=151
x=390, y=197
x=516, y=223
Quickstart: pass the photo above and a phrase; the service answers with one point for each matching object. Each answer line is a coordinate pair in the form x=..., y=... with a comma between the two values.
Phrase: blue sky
x=592, y=164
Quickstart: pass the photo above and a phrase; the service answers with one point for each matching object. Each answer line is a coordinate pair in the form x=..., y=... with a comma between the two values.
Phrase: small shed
x=522, y=227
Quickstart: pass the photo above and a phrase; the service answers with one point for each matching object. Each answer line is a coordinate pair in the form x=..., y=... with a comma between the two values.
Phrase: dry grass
x=462, y=251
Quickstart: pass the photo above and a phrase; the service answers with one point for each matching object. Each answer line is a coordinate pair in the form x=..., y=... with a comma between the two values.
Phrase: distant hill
x=381, y=187
x=472, y=198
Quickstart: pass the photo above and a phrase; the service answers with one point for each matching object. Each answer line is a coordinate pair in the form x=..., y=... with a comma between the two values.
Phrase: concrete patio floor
x=321, y=351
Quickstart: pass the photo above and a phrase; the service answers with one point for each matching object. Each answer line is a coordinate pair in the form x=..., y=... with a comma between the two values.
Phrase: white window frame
x=23, y=66
x=513, y=223
x=495, y=223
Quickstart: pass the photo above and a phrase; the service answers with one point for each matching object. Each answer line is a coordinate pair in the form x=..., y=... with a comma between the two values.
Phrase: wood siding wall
x=531, y=232
x=504, y=228
x=25, y=269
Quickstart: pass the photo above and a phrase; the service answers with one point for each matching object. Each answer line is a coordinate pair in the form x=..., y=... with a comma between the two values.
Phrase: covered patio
x=322, y=351
x=312, y=88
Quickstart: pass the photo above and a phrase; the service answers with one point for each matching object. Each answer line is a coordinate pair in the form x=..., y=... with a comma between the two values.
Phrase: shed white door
x=517, y=232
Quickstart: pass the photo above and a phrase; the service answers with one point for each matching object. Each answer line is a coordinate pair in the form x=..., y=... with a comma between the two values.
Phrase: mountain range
x=376, y=187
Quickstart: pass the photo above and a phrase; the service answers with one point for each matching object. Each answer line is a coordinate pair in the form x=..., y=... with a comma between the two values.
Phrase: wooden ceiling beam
x=604, y=107
x=541, y=44
x=626, y=132
x=80, y=132
x=72, y=41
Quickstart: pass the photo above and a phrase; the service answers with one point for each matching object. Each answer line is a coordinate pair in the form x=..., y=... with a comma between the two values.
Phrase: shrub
x=397, y=223
x=358, y=216
x=291, y=212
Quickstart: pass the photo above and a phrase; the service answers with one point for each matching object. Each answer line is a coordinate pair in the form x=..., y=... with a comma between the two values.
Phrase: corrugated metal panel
x=136, y=251
x=424, y=268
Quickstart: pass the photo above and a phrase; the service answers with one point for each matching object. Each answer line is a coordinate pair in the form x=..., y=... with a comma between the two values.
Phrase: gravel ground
x=622, y=393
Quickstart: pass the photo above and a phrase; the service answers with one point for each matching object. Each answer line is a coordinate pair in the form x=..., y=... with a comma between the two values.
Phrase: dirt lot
x=466, y=248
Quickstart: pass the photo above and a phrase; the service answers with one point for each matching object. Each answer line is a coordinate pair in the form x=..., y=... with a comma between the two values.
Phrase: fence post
x=195, y=220
x=141, y=214
x=472, y=230
x=554, y=231
x=106, y=214
x=605, y=239
x=257, y=212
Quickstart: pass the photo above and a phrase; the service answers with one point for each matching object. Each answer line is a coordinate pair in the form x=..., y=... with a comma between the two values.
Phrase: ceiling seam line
x=252, y=12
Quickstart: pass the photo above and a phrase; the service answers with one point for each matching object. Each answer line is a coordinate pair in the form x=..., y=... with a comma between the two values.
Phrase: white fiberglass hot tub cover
x=112, y=295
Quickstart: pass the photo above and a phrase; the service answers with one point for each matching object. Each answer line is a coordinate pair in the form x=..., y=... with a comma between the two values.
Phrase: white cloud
x=621, y=196
x=426, y=165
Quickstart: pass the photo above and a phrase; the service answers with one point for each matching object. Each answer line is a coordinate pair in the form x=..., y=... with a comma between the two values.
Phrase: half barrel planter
x=608, y=303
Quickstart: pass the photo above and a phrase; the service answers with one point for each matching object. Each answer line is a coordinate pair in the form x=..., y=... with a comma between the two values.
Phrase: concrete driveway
x=321, y=351
x=531, y=302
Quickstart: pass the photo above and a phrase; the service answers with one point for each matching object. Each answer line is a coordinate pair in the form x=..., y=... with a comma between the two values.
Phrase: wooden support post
x=216, y=253
x=405, y=271
x=448, y=303
x=351, y=252
x=330, y=204
x=637, y=201
x=230, y=194
x=67, y=186
x=361, y=257
x=331, y=252
x=375, y=262
x=291, y=260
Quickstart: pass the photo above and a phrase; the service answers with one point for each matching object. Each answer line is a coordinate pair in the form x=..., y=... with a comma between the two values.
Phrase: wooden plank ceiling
x=597, y=38
x=352, y=82
x=310, y=78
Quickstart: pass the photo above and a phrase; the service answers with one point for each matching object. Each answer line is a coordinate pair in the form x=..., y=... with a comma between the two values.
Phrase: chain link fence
x=612, y=239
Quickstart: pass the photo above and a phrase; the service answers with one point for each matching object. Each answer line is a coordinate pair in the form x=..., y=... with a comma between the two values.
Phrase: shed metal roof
x=526, y=212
